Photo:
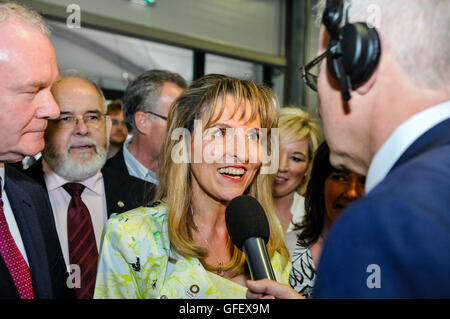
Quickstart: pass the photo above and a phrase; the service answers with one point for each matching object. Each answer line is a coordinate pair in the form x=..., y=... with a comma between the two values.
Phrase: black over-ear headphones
x=354, y=49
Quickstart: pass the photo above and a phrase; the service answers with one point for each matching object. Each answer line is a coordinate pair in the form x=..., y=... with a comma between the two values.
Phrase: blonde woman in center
x=179, y=247
x=299, y=138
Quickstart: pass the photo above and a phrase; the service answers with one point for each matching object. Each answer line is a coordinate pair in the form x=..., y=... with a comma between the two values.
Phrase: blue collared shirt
x=402, y=138
x=135, y=168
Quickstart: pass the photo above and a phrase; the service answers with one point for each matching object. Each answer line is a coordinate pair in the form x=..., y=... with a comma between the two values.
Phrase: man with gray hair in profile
x=146, y=104
x=81, y=193
x=384, y=90
x=31, y=264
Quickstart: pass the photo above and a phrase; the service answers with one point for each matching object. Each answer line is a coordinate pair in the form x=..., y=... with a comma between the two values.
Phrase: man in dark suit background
x=146, y=104
x=395, y=241
x=31, y=264
x=76, y=146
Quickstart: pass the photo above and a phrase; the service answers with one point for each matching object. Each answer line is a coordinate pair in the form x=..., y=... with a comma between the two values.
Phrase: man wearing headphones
x=384, y=93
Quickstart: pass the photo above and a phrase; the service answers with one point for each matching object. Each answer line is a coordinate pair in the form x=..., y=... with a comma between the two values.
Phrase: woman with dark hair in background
x=328, y=193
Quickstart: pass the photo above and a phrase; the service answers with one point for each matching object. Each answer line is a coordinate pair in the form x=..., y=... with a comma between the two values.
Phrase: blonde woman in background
x=299, y=138
x=179, y=247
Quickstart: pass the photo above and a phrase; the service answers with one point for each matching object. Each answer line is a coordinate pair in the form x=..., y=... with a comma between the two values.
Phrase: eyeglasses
x=156, y=114
x=309, y=77
x=92, y=120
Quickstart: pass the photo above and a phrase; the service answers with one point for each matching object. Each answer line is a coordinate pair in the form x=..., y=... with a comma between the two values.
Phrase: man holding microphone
x=384, y=95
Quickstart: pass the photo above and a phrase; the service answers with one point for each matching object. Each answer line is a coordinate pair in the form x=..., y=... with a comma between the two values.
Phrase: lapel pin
x=120, y=204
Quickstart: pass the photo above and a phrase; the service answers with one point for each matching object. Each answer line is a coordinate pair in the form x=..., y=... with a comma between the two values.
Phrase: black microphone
x=249, y=230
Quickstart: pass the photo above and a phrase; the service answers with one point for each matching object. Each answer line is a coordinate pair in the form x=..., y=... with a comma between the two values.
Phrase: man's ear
x=365, y=87
x=140, y=119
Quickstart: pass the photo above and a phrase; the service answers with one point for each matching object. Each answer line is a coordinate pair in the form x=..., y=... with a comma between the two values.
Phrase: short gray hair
x=142, y=94
x=80, y=75
x=416, y=32
x=24, y=14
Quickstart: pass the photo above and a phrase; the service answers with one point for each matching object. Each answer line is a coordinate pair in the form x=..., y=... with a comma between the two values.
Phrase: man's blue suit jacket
x=33, y=214
x=397, y=237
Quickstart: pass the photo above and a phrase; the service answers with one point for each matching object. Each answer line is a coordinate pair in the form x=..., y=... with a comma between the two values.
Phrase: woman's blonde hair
x=201, y=100
x=296, y=125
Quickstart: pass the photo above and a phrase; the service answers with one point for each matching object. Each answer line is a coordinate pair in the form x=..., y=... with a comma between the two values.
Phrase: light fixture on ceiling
x=143, y=2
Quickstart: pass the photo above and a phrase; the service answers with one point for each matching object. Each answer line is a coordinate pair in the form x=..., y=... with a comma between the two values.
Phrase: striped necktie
x=82, y=245
x=13, y=258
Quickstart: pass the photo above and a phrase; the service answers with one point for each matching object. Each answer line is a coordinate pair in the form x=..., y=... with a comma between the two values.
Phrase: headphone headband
x=332, y=17
x=354, y=49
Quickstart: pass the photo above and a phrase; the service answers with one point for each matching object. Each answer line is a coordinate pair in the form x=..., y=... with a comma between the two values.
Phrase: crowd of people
x=128, y=200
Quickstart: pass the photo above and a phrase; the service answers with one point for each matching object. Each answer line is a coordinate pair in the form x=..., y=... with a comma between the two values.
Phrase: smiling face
x=77, y=152
x=27, y=72
x=294, y=159
x=229, y=153
x=341, y=189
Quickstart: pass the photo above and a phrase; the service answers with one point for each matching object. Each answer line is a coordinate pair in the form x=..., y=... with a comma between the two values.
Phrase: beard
x=80, y=168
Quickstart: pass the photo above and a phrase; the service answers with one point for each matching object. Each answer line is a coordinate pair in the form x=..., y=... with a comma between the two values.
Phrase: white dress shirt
x=135, y=168
x=93, y=197
x=402, y=138
x=9, y=216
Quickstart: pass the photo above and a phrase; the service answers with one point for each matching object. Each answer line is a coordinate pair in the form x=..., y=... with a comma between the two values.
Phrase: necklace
x=220, y=271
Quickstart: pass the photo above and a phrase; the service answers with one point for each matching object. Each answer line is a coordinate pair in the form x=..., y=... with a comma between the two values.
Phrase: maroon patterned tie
x=14, y=259
x=82, y=245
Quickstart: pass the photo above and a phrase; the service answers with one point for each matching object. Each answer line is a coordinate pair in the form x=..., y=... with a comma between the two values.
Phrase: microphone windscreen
x=245, y=218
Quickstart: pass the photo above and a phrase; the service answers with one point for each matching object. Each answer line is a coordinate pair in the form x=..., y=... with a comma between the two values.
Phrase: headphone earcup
x=361, y=49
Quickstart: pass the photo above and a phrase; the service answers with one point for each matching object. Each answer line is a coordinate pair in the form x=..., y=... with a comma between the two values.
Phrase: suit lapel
x=113, y=193
x=32, y=237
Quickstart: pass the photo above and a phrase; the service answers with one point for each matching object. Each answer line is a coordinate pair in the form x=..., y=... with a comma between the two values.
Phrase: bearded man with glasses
x=81, y=193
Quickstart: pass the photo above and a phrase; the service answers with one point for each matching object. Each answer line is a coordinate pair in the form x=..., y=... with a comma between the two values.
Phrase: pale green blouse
x=137, y=261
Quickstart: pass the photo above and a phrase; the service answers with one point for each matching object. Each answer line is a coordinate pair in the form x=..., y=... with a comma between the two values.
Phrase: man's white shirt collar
x=402, y=138
x=10, y=218
x=2, y=175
